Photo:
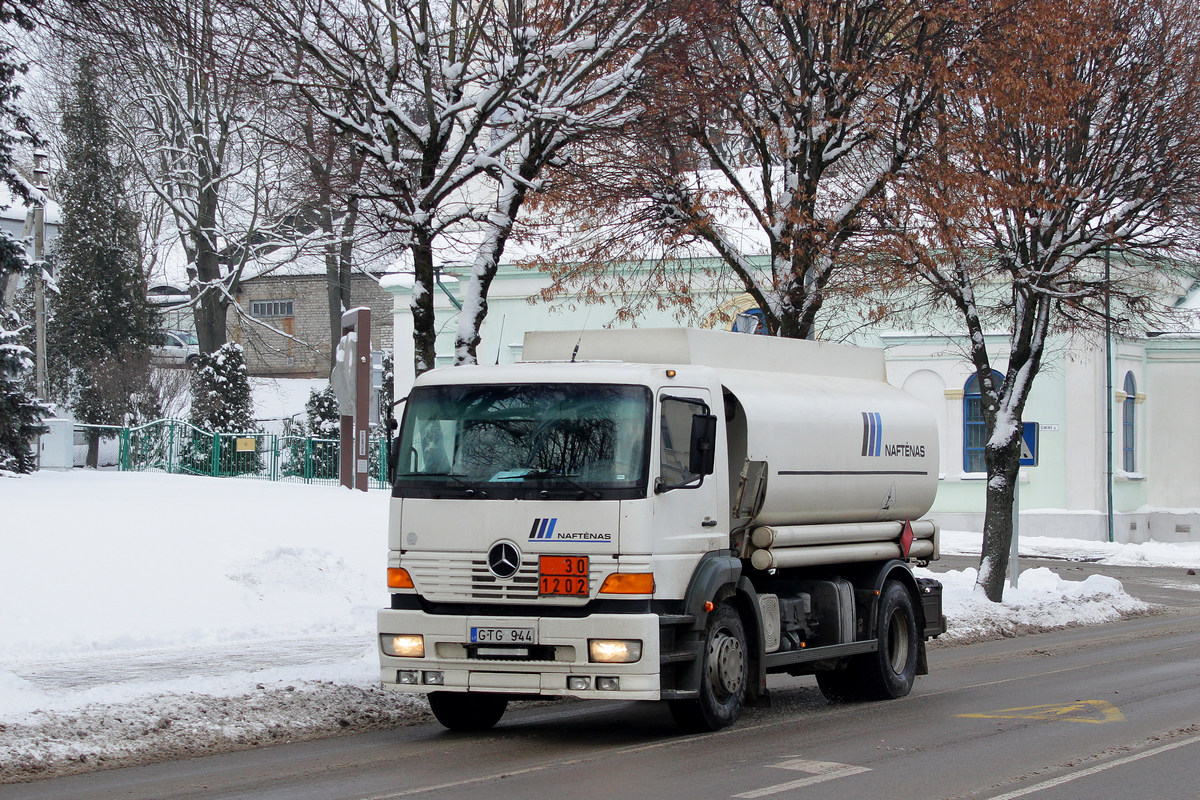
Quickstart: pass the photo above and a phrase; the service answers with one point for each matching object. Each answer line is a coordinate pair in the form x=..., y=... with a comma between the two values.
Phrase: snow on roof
x=13, y=207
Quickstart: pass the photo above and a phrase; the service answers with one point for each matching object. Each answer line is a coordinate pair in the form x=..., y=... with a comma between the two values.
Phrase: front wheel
x=723, y=676
x=467, y=711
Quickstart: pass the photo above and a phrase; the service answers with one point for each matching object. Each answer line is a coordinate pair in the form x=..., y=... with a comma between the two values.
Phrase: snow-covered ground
x=281, y=398
x=147, y=615
x=1149, y=554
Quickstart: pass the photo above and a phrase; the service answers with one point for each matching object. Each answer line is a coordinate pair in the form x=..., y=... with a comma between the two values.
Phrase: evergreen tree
x=221, y=399
x=321, y=411
x=20, y=413
x=15, y=125
x=221, y=403
x=324, y=424
x=102, y=326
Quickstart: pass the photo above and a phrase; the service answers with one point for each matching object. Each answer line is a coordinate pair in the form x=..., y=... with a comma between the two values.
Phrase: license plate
x=503, y=635
x=563, y=575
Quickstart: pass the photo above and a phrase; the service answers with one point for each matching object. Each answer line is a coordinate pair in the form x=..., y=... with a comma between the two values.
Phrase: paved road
x=1112, y=711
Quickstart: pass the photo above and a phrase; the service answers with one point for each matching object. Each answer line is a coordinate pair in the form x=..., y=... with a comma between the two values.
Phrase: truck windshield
x=565, y=441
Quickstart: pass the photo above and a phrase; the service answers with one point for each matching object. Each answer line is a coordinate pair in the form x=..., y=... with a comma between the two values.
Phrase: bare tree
x=588, y=60
x=779, y=126
x=1052, y=161
x=193, y=120
x=440, y=96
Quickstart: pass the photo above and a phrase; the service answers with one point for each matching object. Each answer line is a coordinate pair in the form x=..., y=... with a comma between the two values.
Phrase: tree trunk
x=93, y=449
x=1003, y=464
x=210, y=312
x=466, y=342
x=424, y=321
x=338, y=258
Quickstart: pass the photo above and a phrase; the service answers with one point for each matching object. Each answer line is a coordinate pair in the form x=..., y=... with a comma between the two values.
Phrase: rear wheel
x=467, y=711
x=840, y=685
x=890, y=671
x=723, y=676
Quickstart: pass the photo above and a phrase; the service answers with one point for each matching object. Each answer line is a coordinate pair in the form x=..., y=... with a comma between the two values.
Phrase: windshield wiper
x=469, y=489
x=546, y=473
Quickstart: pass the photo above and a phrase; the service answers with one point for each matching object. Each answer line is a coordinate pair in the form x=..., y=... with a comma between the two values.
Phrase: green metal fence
x=175, y=446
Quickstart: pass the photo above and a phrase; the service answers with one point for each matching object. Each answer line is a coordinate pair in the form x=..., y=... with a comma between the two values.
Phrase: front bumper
x=561, y=652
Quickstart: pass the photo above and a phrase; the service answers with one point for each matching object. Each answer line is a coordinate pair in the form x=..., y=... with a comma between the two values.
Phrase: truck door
x=687, y=508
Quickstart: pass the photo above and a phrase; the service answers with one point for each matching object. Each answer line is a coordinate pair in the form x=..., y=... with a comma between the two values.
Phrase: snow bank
x=1148, y=554
x=1041, y=601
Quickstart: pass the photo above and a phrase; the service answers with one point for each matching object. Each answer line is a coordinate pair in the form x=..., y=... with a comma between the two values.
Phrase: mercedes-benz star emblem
x=504, y=559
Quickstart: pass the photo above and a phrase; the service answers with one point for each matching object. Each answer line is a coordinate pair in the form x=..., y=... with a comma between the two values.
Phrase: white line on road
x=1083, y=773
x=821, y=771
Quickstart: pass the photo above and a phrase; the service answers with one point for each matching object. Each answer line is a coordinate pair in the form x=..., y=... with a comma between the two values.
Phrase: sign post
x=351, y=380
x=1029, y=458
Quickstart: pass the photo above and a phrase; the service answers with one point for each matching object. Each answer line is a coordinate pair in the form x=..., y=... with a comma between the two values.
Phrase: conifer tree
x=221, y=403
x=102, y=325
x=20, y=413
x=221, y=400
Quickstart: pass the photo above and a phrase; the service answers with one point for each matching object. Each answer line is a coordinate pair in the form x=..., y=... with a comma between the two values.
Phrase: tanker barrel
x=837, y=554
x=808, y=535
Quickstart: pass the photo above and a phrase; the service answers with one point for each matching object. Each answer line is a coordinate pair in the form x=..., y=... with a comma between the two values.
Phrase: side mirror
x=702, y=458
x=393, y=458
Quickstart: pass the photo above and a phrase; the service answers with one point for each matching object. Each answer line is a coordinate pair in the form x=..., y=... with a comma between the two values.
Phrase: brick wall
x=307, y=355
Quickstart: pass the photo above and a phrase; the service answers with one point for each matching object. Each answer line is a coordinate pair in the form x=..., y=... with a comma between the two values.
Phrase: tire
x=724, y=671
x=840, y=685
x=890, y=671
x=467, y=711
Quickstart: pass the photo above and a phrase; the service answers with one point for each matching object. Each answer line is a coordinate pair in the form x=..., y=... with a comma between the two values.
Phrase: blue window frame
x=974, y=425
x=752, y=320
x=1128, y=418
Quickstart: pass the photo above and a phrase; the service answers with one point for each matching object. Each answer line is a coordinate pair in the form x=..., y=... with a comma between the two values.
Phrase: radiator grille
x=458, y=577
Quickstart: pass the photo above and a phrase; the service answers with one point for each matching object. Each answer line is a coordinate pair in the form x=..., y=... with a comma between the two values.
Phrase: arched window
x=1129, y=434
x=974, y=425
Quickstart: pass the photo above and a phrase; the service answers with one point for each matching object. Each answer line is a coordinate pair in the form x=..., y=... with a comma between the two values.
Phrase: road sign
x=1029, y=444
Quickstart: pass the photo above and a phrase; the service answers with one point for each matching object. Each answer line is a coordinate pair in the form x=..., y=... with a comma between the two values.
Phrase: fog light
x=432, y=678
x=406, y=676
x=608, y=684
x=579, y=683
x=614, y=651
x=403, y=646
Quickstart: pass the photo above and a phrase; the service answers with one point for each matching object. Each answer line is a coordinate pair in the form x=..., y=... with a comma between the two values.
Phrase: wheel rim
x=726, y=663
x=898, y=642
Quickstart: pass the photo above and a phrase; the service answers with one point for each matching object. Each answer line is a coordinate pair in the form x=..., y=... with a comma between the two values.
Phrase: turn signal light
x=628, y=583
x=398, y=578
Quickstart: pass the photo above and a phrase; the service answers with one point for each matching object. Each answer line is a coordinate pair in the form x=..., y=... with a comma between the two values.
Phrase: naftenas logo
x=872, y=441
x=543, y=530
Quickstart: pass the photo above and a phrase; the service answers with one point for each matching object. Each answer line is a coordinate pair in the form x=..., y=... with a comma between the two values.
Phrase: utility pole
x=40, y=176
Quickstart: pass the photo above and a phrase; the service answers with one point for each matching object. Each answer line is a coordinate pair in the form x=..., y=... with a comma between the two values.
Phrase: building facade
x=283, y=325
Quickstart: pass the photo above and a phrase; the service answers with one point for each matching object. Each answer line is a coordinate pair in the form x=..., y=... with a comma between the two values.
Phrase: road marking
x=820, y=771
x=1096, y=712
x=1074, y=776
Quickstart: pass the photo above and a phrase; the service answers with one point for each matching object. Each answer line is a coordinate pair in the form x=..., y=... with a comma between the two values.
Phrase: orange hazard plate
x=563, y=575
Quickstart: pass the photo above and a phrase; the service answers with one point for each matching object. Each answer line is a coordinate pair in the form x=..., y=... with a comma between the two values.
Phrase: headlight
x=614, y=651
x=409, y=645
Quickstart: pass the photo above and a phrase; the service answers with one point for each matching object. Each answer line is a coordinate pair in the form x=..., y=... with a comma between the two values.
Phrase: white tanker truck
x=659, y=515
